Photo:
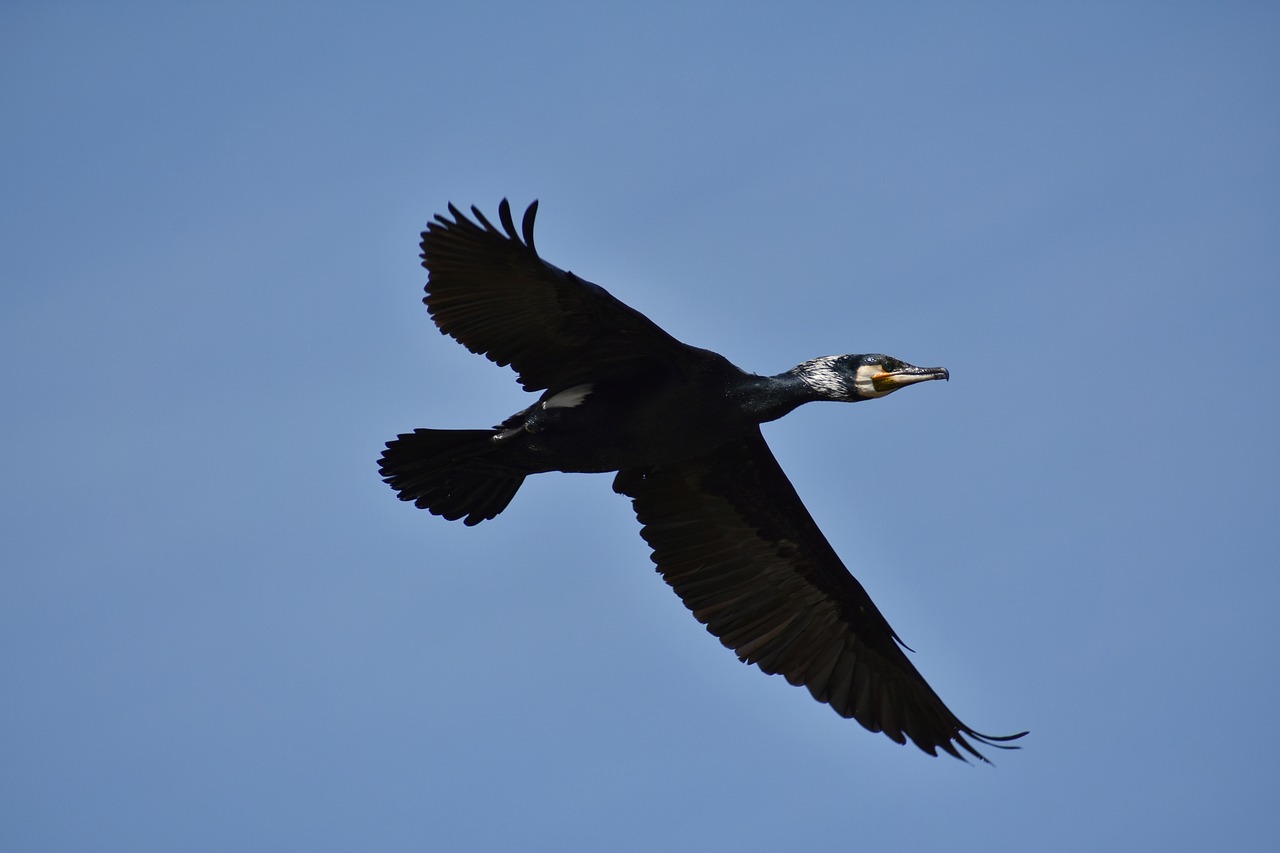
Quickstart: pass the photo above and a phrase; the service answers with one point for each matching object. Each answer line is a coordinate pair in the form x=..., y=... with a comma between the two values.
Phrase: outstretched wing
x=489, y=290
x=731, y=536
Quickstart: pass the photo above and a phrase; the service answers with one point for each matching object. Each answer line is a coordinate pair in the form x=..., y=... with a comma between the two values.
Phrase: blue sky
x=219, y=630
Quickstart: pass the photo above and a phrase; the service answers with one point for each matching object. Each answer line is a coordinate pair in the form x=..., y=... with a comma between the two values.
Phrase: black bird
x=681, y=426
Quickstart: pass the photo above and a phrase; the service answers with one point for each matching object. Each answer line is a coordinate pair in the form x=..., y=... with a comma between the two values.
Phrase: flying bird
x=681, y=427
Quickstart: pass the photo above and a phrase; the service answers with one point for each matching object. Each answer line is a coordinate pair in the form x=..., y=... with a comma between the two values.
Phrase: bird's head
x=850, y=378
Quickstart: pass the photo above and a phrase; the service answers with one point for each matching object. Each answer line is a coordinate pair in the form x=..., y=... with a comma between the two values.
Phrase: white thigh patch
x=568, y=398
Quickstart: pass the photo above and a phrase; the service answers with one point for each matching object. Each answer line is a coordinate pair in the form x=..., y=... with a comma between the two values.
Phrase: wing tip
x=478, y=223
x=991, y=741
x=526, y=225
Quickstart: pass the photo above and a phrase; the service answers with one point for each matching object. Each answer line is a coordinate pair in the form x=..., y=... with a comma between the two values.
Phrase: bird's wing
x=489, y=290
x=731, y=536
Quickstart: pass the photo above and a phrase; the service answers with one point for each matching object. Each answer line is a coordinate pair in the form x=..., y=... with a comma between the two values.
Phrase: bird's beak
x=892, y=380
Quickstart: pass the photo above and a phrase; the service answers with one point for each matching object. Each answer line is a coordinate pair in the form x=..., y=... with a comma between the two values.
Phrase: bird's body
x=639, y=419
x=680, y=425
x=659, y=415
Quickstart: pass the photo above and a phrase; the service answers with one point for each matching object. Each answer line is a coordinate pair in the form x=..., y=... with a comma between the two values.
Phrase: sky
x=219, y=630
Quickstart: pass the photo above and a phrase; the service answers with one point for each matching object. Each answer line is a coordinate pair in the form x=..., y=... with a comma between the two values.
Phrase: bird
x=680, y=426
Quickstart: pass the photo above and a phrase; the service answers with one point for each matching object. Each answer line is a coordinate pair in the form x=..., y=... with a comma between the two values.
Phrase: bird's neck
x=767, y=398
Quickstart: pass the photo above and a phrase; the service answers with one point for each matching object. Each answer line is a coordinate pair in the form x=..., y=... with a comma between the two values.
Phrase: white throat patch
x=863, y=382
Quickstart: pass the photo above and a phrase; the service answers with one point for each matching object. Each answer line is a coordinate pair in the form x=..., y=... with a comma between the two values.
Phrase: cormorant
x=681, y=426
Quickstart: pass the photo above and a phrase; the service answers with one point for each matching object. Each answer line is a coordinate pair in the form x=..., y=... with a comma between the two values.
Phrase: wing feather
x=734, y=541
x=488, y=289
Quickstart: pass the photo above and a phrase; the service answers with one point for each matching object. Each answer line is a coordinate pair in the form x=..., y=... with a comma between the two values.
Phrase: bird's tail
x=451, y=472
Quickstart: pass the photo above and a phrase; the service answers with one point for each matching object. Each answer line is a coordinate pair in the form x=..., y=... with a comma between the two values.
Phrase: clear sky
x=220, y=631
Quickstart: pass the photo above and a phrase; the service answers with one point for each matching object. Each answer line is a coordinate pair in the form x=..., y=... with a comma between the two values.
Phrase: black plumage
x=681, y=426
